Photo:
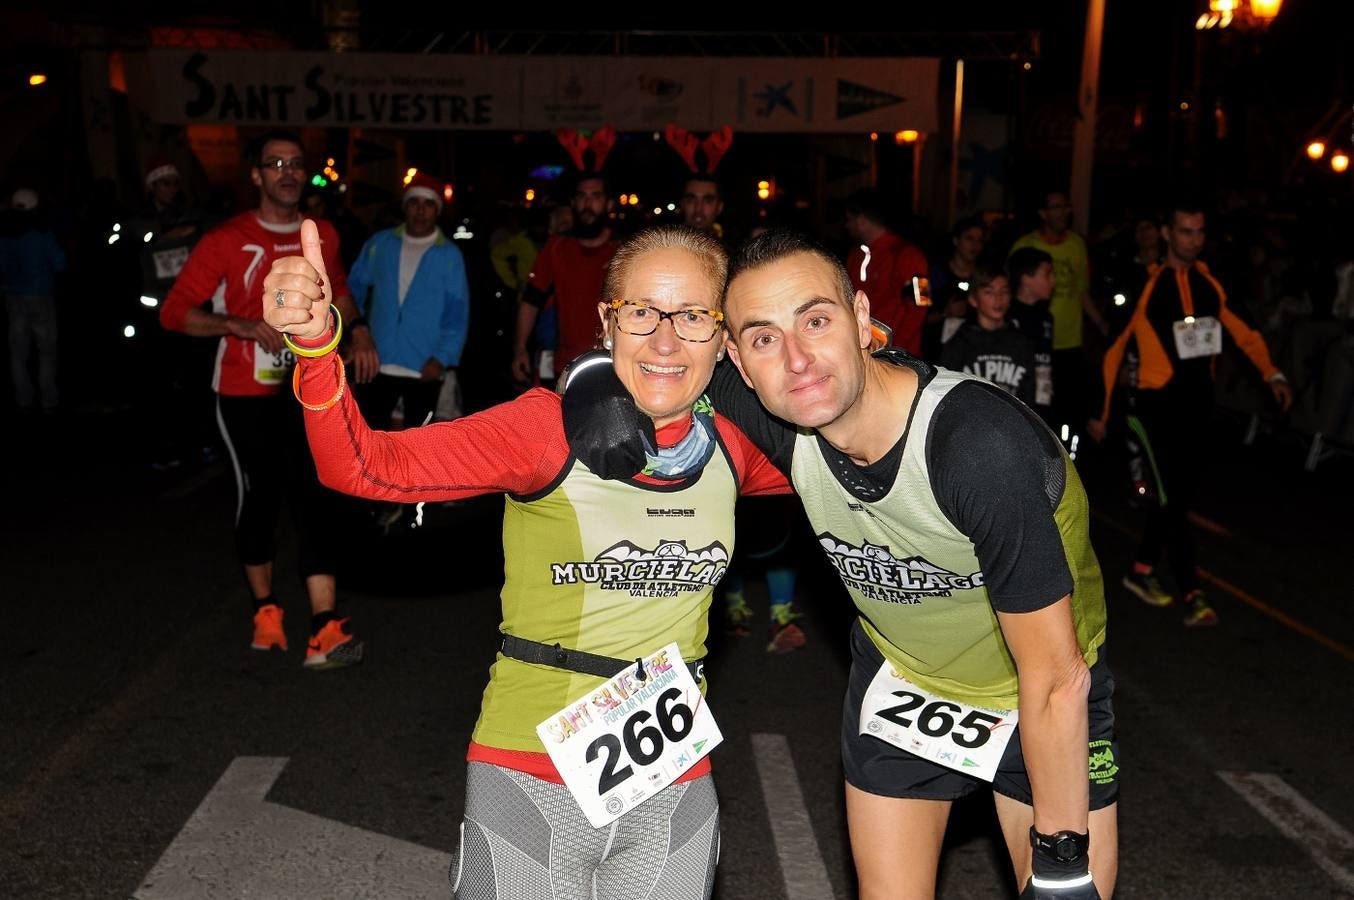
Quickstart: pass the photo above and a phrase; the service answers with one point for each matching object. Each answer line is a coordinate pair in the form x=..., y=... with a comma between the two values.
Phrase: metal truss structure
x=970, y=45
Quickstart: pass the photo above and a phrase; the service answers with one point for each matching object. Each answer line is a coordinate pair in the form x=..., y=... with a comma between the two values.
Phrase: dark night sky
x=1301, y=55
x=1275, y=85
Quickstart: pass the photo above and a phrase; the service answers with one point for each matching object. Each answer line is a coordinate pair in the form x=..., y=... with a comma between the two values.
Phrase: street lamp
x=1323, y=139
x=1225, y=13
x=1264, y=11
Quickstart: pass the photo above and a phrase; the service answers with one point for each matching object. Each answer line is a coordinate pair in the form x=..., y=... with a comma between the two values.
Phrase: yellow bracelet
x=314, y=352
x=319, y=407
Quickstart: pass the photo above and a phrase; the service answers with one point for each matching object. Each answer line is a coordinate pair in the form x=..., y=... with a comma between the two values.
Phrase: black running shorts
x=877, y=767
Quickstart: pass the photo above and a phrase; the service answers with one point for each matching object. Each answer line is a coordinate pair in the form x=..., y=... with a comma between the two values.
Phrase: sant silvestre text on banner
x=406, y=91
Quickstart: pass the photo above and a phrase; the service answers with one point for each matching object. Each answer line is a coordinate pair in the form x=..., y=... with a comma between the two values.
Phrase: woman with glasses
x=587, y=768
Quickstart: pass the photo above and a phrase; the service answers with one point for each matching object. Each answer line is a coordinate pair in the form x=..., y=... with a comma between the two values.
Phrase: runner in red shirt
x=883, y=266
x=257, y=420
x=573, y=266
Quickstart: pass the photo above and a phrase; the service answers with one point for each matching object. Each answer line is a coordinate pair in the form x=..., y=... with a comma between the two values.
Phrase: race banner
x=405, y=91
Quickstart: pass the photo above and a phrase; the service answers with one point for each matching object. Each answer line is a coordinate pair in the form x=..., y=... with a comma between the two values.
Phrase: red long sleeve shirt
x=227, y=267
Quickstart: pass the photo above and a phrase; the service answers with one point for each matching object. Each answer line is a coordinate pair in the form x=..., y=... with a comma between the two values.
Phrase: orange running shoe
x=333, y=647
x=786, y=638
x=268, y=631
x=785, y=634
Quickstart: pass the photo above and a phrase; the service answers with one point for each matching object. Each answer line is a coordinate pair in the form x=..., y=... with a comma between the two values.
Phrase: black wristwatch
x=1063, y=847
x=359, y=322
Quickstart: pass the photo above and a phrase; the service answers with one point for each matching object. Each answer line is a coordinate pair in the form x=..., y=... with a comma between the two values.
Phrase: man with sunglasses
x=258, y=420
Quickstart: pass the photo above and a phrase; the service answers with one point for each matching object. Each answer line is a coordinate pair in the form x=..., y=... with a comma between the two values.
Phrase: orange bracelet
x=328, y=404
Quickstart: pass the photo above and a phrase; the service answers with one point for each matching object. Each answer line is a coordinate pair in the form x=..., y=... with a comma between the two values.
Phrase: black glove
x=606, y=431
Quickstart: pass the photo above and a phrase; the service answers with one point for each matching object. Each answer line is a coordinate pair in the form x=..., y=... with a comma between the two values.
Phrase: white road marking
x=237, y=844
x=801, y=862
x=1329, y=844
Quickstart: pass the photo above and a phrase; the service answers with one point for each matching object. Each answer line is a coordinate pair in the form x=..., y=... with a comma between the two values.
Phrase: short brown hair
x=714, y=261
x=776, y=244
x=983, y=278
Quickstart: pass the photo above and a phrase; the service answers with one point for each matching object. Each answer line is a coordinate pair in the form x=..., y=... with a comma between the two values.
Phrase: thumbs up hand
x=295, y=292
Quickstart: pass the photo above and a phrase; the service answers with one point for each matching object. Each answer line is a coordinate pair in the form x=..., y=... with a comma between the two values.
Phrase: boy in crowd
x=987, y=345
x=1032, y=283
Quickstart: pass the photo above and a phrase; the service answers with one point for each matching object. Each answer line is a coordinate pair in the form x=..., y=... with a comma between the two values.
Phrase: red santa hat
x=423, y=186
x=160, y=167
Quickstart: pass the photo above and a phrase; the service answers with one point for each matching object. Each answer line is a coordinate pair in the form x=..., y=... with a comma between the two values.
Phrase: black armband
x=534, y=296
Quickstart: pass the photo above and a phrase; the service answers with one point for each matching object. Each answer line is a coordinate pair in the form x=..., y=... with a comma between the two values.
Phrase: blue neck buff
x=689, y=455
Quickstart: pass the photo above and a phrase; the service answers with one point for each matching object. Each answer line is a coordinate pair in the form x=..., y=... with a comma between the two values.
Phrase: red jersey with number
x=227, y=267
x=575, y=273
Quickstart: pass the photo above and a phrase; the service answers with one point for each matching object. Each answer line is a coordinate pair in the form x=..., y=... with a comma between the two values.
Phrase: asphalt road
x=135, y=721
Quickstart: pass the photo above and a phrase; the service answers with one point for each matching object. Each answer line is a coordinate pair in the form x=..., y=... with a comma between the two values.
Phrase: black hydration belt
x=579, y=661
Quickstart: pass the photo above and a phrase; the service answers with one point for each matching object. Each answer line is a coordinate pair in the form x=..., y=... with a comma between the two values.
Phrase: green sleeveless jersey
x=916, y=578
x=616, y=568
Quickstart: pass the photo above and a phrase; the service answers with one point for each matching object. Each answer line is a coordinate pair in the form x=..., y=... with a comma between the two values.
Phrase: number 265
x=936, y=719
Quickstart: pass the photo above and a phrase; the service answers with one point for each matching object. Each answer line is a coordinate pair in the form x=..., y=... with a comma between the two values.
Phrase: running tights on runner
x=266, y=441
x=527, y=839
x=1172, y=426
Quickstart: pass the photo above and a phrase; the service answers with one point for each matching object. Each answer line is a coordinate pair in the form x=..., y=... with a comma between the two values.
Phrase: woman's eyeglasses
x=695, y=324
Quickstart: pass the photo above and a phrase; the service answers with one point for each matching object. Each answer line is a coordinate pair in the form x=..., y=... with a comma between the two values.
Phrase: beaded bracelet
x=319, y=407
x=314, y=352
